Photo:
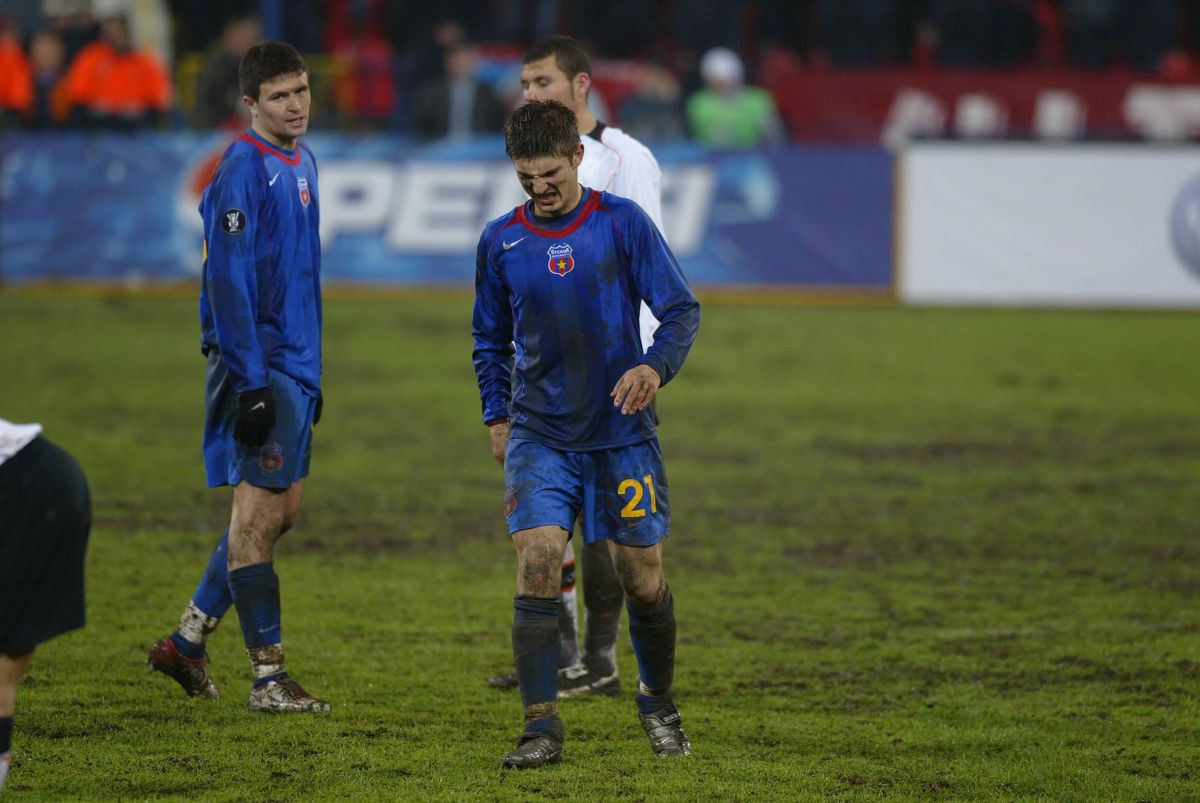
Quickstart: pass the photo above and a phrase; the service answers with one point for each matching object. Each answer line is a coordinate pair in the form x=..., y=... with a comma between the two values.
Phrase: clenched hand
x=499, y=435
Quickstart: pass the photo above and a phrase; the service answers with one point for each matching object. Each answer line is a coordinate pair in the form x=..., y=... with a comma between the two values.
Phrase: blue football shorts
x=278, y=463
x=617, y=494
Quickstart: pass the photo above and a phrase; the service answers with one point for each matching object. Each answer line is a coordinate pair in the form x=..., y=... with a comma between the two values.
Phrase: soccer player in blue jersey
x=566, y=390
x=559, y=68
x=260, y=319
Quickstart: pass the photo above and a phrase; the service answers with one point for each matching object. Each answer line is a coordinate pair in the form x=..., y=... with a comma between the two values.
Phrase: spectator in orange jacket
x=110, y=84
x=16, y=79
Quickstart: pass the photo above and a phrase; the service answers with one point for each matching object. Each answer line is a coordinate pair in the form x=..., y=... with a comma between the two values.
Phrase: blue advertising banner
x=123, y=207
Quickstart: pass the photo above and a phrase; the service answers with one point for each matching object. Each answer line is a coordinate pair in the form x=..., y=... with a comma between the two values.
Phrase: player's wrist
x=657, y=371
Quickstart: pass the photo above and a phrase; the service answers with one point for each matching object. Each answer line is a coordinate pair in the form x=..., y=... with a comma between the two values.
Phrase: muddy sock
x=652, y=631
x=535, y=648
x=209, y=603
x=256, y=594
x=213, y=595
x=266, y=663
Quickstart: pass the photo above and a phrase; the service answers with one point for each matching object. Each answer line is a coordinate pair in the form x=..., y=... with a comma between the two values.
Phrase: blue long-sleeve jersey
x=260, y=298
x=556, y=320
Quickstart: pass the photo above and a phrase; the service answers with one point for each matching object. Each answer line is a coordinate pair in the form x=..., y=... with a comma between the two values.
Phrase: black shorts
x=45, y=516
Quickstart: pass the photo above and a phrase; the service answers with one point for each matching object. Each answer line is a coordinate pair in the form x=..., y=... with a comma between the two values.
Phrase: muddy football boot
x=191, y=673
x=577, y=680
x=284, y=695
x=664, y=727
x=537, y=748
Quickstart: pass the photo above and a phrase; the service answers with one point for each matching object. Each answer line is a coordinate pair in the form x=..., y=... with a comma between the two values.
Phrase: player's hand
x=320, y=407
x=255, y=416
x=499, y=435
x=636, y=389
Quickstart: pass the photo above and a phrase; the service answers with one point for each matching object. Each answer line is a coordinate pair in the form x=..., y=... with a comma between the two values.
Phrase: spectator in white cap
x=726, y=113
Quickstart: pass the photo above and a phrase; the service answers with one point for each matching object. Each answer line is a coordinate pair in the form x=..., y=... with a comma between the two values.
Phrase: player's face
x=542, y=80
x=552, y=182
x=280, y=114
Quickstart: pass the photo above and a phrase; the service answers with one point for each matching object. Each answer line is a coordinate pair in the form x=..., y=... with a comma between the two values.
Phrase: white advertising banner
x=1053, y=225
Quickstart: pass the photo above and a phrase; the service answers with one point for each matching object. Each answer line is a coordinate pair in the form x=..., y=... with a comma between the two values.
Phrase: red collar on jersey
x=590, y=205
x=266, y=147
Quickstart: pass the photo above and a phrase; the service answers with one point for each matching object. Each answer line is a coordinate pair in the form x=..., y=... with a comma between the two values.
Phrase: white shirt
x=618, y=163
x=15, y=437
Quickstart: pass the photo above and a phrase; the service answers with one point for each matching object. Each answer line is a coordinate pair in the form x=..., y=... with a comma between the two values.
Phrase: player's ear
x=583, y=83
x=577, y=157
x=249, y=103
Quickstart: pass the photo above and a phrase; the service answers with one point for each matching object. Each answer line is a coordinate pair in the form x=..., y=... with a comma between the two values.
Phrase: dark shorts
x=278, y=463
x=617, y=494
x=45, y=517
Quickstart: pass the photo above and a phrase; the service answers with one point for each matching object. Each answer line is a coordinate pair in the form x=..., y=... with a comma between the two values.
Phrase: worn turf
x=915, y=553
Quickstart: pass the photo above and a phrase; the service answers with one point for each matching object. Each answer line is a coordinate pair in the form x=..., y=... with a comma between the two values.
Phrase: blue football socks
x=212, y=595
x=535, y=648
x=209, y=603
x=255, y=591
x=652, y=630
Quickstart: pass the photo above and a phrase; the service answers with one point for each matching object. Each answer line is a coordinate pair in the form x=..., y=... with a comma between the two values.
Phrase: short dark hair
x=541, y=128
x=266, y=61
x=569, y=55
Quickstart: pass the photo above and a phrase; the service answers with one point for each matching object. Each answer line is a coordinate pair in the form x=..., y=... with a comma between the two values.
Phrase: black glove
x=255, y=417
x=320, y=406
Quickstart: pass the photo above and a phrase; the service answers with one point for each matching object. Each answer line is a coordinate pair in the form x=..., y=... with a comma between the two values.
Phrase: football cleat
x=537, y=748
x=284, y=695
x=191, y=673
x=664, y=727
x=577, y=680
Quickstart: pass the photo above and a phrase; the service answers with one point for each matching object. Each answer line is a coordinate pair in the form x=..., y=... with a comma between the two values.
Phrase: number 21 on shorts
x=633, y=507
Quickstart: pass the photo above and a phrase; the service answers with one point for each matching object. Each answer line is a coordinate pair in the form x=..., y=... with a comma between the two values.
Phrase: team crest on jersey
x=233, y=221
x=305, y=196
x=561, y=261
x=270, y=458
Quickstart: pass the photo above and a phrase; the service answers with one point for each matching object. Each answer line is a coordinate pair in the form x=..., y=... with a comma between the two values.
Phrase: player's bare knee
x=646, y=595
x=644, y=584
x=540, y=570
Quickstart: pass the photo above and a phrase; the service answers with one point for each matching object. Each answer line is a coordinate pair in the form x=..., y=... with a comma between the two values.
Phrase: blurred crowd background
x=663, y=69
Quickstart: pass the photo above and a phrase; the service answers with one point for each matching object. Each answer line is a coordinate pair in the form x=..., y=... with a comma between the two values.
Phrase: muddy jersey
x=556, y=320
x=260, y=297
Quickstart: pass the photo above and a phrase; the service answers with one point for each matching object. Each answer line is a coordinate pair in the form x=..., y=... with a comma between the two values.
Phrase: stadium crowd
x=664, y=69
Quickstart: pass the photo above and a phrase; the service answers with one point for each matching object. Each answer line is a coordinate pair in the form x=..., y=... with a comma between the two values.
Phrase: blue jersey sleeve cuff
x=658, y=365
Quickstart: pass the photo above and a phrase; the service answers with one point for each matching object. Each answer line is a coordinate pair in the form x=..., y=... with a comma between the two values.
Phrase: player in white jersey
x=558, y=68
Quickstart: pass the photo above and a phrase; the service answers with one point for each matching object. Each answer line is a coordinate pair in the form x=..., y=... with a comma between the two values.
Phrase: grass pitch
x=916, y=554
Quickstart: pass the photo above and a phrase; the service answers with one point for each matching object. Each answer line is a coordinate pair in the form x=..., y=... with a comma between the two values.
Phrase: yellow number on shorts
x=633, y=509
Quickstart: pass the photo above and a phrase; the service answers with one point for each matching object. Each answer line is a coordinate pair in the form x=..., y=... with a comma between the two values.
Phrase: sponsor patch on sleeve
x=233, y=221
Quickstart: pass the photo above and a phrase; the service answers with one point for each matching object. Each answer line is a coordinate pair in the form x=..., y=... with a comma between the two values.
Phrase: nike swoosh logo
x=259, y=406
x=271, y=183
x=514, y=242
